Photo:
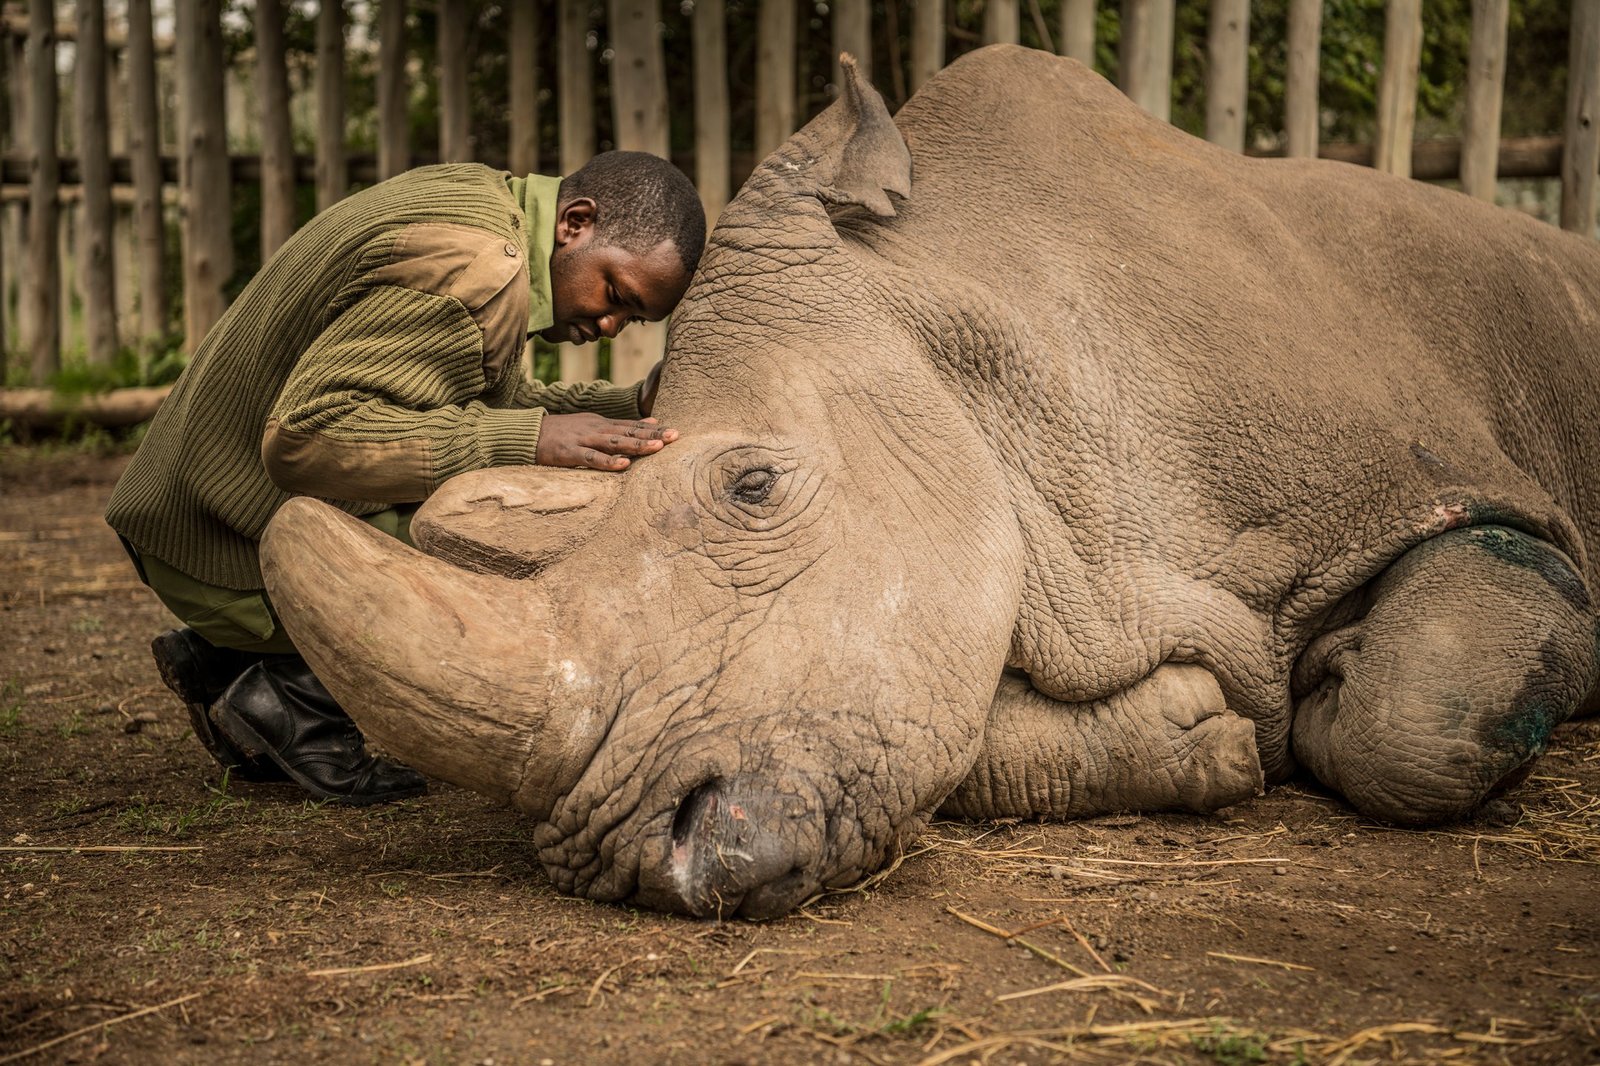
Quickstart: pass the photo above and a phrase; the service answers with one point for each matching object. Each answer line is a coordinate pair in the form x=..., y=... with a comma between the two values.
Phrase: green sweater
x=376, y=355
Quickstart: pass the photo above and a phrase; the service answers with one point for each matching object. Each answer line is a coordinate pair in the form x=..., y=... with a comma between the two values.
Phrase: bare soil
x=150, y=913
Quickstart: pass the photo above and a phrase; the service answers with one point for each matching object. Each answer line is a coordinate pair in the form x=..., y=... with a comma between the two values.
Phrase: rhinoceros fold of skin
x=1038, y=460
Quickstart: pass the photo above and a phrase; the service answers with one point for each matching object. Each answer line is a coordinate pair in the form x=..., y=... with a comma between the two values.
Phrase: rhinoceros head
x=752, y=666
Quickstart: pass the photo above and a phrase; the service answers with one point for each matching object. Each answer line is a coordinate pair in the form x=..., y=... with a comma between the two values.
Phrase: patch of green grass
x=154, y=819
x=87, y=624
x=72, y=726
x=11, y=703
x=1231, y=1048
x=884, y=1021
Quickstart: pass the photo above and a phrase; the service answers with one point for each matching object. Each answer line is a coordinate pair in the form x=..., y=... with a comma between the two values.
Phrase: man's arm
x=386, y=405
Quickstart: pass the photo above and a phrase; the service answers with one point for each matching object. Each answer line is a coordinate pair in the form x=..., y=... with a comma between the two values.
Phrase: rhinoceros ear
x=851, y=153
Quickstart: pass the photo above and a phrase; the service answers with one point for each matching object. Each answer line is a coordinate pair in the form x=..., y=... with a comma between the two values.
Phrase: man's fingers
x=628, y=445
x=596, y=460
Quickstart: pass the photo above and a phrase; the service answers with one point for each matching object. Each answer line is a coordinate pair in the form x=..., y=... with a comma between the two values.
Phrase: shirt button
x=511, y=249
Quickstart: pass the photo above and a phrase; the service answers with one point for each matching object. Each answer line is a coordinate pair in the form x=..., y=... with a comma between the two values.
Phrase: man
x=377, y=354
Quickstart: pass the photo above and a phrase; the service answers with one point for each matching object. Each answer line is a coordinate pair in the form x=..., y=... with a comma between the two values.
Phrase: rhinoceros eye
x=753, y=486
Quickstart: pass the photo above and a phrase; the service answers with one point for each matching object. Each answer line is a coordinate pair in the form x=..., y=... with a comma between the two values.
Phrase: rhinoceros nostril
x=694, y=811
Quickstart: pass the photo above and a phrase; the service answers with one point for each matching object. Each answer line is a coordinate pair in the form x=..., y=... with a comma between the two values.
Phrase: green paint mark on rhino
x=1528, y=730
x=1521, y=550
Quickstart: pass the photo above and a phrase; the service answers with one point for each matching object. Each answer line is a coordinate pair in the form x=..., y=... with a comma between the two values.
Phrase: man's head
x=629, y=233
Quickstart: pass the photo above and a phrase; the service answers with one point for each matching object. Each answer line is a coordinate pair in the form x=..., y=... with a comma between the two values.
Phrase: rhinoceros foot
x=1168, y=742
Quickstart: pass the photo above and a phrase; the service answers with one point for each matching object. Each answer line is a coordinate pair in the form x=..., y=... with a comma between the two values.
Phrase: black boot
x=279, y=709
x=198, y=672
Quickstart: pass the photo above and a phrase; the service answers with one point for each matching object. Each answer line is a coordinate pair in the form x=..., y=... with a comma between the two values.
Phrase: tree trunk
x=927, y=41
x=1146, y=59
x=97, y=272
x=524, y=154
x=455, y=123
x=578, y=362
x=144, y=146
x=775, y=76
x=203, y=167
x=393, y=120
x=639, y=104
x=1580, y=159
x=1300, y=126
x=1486, y=75
x=1077, y=30
x=277, y=140
x=1397, y=88
x=711, y=106
x=852, y=33
x=1227, y=72
x=1002, y=23
x=332, y=172
x=44, y=256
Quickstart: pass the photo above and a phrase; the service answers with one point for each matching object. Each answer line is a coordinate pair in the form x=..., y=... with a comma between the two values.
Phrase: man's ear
x=575, y=221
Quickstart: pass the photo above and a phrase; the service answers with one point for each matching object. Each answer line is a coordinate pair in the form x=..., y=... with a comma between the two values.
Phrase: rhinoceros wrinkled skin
x=1037, y=459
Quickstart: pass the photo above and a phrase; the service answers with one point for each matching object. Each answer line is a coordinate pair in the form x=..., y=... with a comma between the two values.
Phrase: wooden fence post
x=144, y=146
x=203, y=167
x=1077, y=30
x=15, y=215
x=927, y=41
x=97, y=278
x=711, y=107
x=523, y=157
x=1486, y=75
x=775, y=76
x=1300, y=124
x=7, y=144
x=1397, y=88
x=1580, y=159
x=277, y=139
x=455, y=115
x=639, y=107
x=393, y=120
x=333, y=176
x=852, y=32
x=1002, y=22
x=1146, y=55
x=576, y=100
x=44, y=257
x=1227, y=72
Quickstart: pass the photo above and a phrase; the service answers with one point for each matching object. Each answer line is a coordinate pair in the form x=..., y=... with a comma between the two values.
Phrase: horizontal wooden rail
x=44, y=409
x=1434, y=160
x=1440, y=160
x=15, y=24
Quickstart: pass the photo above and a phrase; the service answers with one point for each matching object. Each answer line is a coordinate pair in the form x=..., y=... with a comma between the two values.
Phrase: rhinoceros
x=1037, y=460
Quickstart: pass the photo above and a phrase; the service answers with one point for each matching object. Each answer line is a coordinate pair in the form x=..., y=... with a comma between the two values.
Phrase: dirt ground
x=148, y=914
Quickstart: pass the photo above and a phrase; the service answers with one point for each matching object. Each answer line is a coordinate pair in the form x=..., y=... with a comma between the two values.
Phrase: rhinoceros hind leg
x=1476, y=645
x=1166, y=743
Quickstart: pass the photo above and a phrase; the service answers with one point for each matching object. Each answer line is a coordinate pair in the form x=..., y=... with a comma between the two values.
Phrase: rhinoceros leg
x=1476, y=644
x=1166, y=743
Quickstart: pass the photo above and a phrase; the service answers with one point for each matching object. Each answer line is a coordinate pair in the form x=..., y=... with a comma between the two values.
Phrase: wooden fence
x=163, y=150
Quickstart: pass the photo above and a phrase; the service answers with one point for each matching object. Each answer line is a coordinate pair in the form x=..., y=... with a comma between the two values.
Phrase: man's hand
x=597, y=442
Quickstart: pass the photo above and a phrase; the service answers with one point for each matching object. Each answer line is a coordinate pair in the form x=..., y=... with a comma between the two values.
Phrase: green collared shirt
x=537, y=195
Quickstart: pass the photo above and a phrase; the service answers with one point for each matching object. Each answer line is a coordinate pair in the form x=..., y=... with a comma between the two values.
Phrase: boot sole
x=241, y=733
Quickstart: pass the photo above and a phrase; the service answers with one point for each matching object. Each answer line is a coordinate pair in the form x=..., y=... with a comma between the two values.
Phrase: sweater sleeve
x=389, y=402
x=564, y=398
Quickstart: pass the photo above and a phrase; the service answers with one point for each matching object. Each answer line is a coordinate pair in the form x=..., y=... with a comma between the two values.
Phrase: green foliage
x=11, y=704
x=1231, y=1048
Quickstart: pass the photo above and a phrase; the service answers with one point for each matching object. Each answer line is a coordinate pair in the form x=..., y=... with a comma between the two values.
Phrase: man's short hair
x=640, y=200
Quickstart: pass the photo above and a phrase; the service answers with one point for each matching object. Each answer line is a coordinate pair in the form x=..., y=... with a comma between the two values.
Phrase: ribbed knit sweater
x=376, y=355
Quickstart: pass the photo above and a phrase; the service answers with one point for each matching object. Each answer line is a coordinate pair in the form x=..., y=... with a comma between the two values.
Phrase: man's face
x=596, y=289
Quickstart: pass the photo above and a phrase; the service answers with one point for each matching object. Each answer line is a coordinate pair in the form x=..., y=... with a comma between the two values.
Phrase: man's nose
x=611, y=325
